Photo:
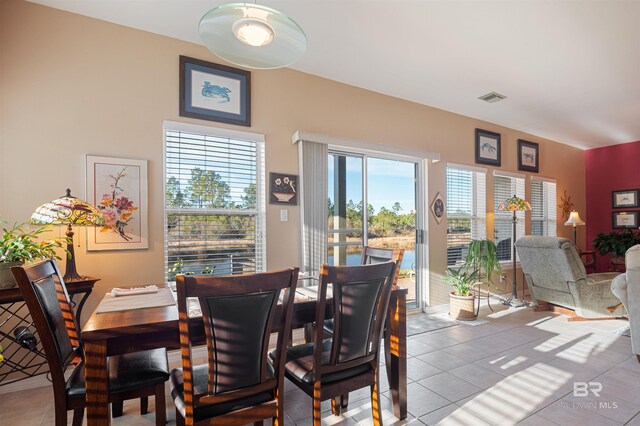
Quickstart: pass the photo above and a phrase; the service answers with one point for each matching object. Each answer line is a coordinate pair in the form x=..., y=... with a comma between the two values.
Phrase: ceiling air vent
x=492, y=97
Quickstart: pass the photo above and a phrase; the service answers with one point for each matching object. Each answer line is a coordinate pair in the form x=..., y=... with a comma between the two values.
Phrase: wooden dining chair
x=370, y=256
x=131, y=376
x=237, y=385
x=330, y=368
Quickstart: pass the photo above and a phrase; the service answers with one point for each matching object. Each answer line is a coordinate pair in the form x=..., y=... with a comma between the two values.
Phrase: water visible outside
x=353, y=259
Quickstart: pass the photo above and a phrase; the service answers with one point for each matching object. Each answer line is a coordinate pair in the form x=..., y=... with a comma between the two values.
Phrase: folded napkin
x=136, y=290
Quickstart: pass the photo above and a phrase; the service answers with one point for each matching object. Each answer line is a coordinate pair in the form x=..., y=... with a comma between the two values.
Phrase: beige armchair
x=627, y=288
x=556, y=275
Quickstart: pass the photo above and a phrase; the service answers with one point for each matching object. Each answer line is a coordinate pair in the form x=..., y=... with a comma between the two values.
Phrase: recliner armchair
x=555, y=274
x=627, y=288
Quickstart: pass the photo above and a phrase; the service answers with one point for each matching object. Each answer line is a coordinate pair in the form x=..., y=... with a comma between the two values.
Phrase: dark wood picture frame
x=624, y=198
x=283, y=189
x=488, y=147
x=633, y=215
x=215, y=102
x=528, y=156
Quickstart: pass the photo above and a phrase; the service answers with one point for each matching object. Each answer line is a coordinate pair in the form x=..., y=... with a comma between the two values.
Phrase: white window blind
x=543, y=207
x=214, y=202
x=466, y=210
x=506, y=186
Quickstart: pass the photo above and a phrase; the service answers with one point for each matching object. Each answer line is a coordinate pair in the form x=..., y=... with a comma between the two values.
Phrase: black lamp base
x=70, y=272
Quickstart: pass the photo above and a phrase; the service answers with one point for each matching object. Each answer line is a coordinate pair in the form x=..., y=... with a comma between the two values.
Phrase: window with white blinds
x=506, y=186
x=466, y=210
x=543, y=207
x=214, y=201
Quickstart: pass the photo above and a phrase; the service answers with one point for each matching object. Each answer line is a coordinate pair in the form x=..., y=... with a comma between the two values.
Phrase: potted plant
x=461, y=300
x=483, y=259
x=616, y=243
x=19, y=245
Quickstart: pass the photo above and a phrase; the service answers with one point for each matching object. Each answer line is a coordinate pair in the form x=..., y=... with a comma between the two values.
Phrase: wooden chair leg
x=336, y=406
x=375, y=401
x=144, y=405
x=78, y=416
x=179, y=419
x=317, y=410
x=259, y=423
x=161, y=405
x=116, y=409
x=344, y=402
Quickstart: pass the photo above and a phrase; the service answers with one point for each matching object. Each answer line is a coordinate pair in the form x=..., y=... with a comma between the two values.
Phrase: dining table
x=131, y=330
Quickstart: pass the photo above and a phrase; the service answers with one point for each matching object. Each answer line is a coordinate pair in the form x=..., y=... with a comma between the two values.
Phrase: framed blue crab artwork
x=528, y=156
x=214, y=92
x=488, y=148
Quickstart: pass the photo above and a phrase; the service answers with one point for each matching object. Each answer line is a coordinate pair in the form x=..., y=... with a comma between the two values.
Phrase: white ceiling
x=570, y=69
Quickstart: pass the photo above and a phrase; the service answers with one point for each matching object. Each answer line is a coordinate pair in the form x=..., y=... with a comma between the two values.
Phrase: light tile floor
x=519, y=368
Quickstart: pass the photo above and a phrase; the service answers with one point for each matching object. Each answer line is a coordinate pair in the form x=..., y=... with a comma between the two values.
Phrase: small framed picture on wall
x=488, y=148
x=625, y=220
x=624, y=199
x=528, y=156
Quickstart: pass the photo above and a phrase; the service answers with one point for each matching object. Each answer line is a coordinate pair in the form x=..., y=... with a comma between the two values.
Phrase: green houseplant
x=461, y=300
x=483, y=259
x=616, y=243
x=18, y=245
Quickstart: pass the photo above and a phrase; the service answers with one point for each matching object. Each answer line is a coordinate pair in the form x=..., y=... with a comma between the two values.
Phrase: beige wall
x=71, y=85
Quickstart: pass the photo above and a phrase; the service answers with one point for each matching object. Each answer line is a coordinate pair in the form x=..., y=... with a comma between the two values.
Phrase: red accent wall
x=608, y=169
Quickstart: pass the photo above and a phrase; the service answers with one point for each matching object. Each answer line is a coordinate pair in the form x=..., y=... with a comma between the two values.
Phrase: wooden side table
x=589, y=260
x=20, y=362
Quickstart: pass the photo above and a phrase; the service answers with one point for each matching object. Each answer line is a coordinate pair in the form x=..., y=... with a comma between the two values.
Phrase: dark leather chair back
x=360, y=301
x=373, y=255
x=239, y=313
x=46, y=298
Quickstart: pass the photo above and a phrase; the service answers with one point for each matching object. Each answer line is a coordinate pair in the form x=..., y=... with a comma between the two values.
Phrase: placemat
x=139, y=301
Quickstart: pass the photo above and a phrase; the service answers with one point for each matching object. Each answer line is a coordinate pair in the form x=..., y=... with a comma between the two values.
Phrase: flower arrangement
x=285, y=184
x=514, y=204
x=117, y=210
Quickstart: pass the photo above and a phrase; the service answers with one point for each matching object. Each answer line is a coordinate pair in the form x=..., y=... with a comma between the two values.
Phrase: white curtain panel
x=313, y=208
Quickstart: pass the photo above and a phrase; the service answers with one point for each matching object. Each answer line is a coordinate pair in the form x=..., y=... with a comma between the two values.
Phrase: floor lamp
x=575, y=221
x=514, y=204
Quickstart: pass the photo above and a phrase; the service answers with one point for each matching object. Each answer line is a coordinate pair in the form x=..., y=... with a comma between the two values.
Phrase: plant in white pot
x=19, y=245
x=461, y=299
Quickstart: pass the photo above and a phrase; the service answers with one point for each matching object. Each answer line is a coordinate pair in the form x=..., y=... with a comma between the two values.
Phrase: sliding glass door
x=374, y=201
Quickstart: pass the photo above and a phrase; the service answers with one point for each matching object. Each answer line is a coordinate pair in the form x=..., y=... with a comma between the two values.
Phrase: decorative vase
x=6, y=277
x=462, y=307
x=283, y=197
x=617, y=264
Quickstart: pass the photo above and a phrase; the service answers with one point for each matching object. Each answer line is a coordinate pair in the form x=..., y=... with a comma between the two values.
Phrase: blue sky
x=389, y=182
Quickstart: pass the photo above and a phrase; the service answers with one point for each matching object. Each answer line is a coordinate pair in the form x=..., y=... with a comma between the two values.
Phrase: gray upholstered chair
x=555, y=274
x=627, y=288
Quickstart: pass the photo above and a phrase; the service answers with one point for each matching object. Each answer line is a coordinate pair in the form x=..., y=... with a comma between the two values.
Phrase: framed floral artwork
x=118, y=188
x=283, y=189
x=214, y=92
x=488, y=150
